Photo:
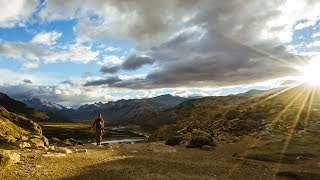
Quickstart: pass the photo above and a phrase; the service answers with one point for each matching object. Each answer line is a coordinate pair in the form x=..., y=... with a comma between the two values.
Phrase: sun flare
x=311, y=72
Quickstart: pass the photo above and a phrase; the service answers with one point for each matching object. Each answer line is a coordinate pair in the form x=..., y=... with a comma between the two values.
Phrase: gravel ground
x=137, y=161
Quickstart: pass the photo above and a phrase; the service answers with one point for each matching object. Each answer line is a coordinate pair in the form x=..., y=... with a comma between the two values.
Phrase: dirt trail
x=136, y=161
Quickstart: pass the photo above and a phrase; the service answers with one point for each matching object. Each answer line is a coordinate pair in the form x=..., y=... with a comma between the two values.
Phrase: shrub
x=173, y=140
x=198, y=142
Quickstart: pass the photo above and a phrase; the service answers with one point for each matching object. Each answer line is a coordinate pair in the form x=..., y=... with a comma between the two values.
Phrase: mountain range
x=123, y=111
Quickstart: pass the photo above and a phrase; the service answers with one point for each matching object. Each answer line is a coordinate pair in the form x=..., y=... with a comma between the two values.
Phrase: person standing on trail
x=99, y=124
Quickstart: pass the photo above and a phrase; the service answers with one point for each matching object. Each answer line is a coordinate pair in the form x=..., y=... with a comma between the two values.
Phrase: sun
x=311, y=72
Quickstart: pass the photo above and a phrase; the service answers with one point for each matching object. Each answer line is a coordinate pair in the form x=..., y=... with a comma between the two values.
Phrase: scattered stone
x=63, y=150
x=10, y=138
x=23, y=144
x=55, y=141
x=45, y=141
x=34, y=136
x=67, y=143
x=79, y=142
x=160, y=147
x=207, y=148
x=51, y=148
x=8, y=158
x=54, y=155
x=24, y=138
x=36, y=143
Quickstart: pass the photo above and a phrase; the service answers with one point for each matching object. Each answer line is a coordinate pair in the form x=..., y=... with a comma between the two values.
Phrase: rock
x=72, y=140
x=81, y=150
x=45, y=141
x=8, y=158
x=24, y=138
x=54, y=155
x=160, y=147
x=301, y=132
x=55, y=141
x=51, y=148
x=67, y=143
x=15, y=157
x=36, y=143
x=34, y=136
x=207, y=148
x=63, y=150
x=23, y=144
x=10, y=138
x=79, y=142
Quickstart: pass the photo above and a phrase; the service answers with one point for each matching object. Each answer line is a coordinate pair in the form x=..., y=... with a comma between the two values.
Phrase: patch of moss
x=173, y=141
x=5, y=160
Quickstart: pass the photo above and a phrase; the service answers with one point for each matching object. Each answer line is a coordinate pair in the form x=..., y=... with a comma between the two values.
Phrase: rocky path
x=149, y=161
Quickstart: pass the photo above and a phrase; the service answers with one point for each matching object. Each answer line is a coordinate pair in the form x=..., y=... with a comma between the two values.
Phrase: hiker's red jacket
x=96, y=121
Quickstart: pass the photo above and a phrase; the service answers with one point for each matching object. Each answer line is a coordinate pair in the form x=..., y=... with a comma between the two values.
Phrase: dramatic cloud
x=111, y=70
x=16, y=12
x=108, y=81
x=47, y=38
x=77, y=53
x=133, y=62
x=27, y=81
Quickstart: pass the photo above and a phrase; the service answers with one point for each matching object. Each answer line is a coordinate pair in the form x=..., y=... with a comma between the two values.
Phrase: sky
x=75, y=52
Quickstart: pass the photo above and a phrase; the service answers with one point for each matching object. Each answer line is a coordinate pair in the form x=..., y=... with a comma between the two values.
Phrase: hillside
x=135, y=111
x=14, y=126
x=282, y=111
x=22, y=109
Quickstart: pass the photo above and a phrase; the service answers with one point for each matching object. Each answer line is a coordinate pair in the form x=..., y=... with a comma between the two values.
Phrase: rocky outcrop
x=14, y=127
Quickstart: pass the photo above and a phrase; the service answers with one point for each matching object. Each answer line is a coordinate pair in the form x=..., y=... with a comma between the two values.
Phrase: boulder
x=55, y=141
x=23, y=144
x=160, y=147
x=79, y=142
x=72, y=140
x=63, y=150
x=36, y=143
x=8, y=158
x=45, y=141
x=67, y=143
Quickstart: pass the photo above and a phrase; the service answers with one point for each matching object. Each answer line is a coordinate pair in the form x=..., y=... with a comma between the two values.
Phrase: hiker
x=99, y=124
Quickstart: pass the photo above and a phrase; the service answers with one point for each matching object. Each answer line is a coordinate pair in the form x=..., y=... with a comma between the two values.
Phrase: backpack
x=99, y=124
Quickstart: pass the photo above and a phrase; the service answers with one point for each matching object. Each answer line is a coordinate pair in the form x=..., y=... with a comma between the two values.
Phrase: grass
x=80, y=131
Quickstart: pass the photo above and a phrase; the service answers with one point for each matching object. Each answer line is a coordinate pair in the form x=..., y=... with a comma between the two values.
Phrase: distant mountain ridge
x=122, y=111
x=22, y=109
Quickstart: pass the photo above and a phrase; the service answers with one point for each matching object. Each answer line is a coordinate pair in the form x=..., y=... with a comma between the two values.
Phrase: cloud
x=108, y=81
x=133, y=62
x=289, y=83
x=47, y=38
x=16, y=12
x=111, y=60
x=315, y=35
x=27, y=81
x=111, y=70
x=77, y=53
x=31, y=65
